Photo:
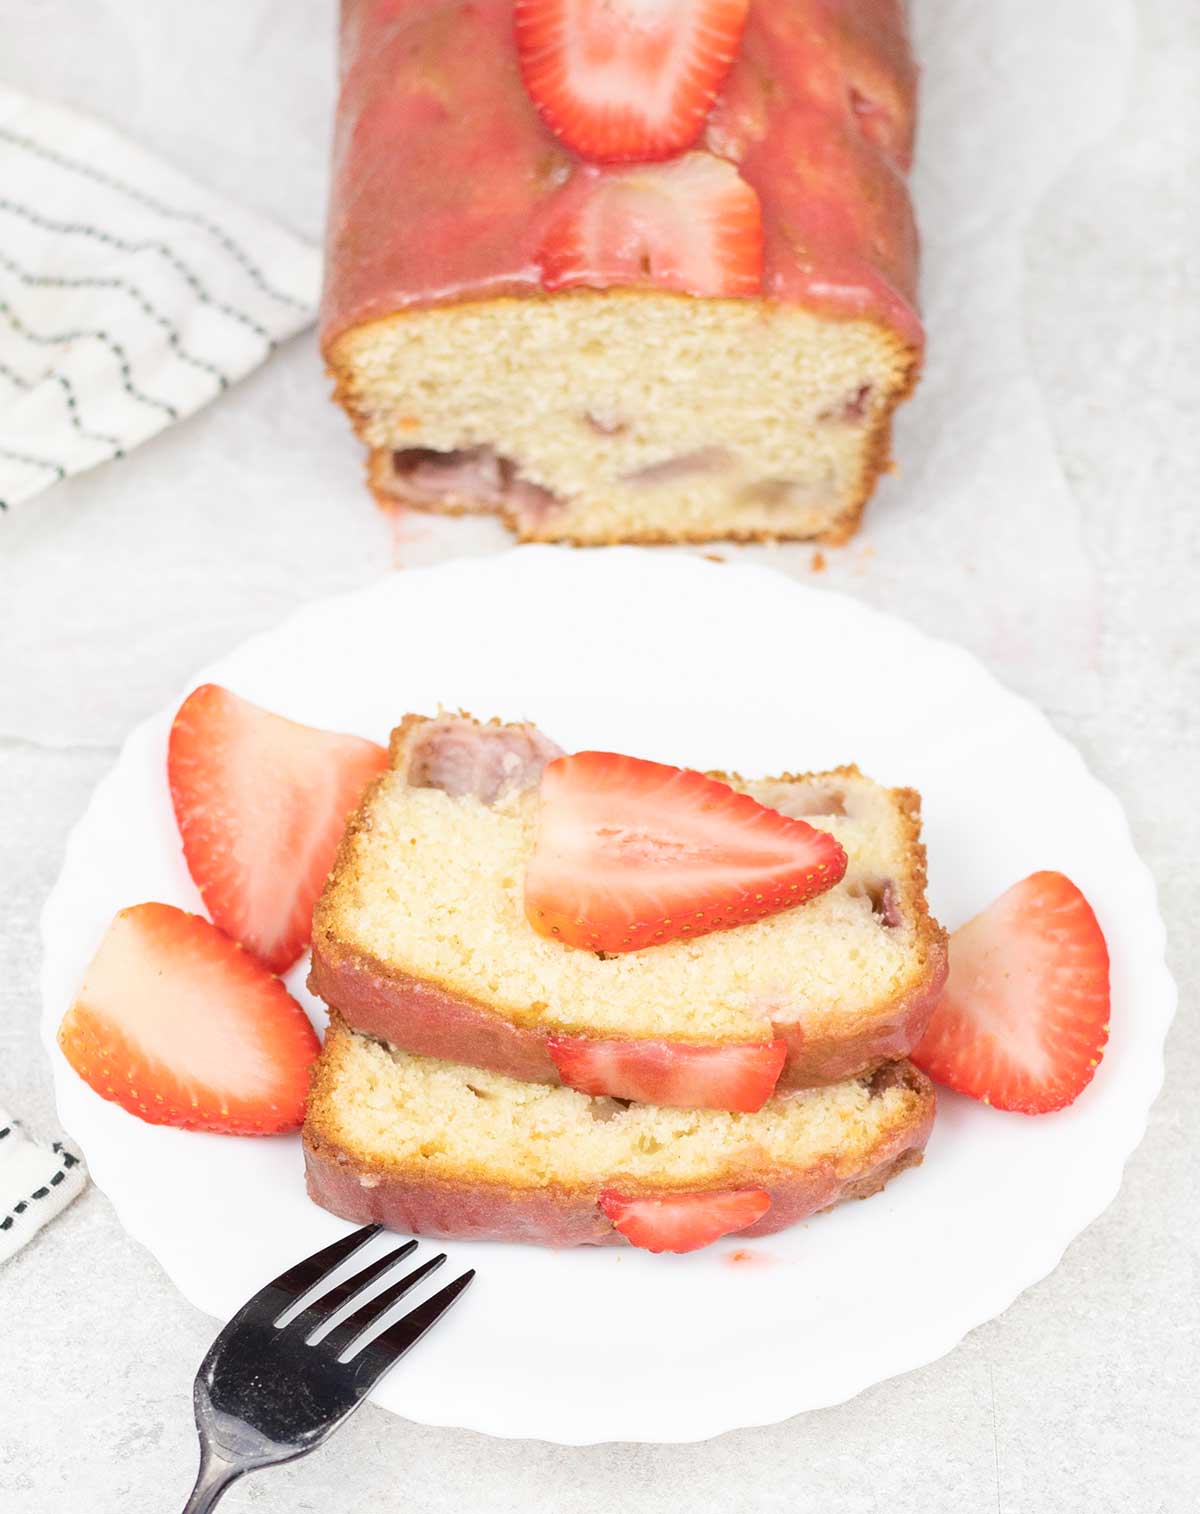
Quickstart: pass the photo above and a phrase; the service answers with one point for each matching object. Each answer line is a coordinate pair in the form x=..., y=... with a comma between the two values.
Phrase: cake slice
x=435, y=1148
x=676, y=335
x=421, y=938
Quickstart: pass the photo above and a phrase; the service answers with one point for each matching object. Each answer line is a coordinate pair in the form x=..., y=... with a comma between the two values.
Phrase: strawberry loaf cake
x=449, y=925
x=432, y=1148
x=624, y=270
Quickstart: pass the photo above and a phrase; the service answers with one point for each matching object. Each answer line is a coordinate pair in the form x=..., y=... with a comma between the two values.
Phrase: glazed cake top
x=445, y=178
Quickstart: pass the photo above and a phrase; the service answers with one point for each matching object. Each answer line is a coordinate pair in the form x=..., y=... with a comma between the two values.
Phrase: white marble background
x=113, y=587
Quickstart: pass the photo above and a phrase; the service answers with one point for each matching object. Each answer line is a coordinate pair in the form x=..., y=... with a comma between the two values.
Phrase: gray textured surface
x=1082, y=1397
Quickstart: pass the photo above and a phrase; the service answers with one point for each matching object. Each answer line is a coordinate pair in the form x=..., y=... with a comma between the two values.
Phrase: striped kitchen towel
x=36, y=1181
x=129, y=295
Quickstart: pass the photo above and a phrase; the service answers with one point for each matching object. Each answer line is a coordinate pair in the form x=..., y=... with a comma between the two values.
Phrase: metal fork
x=265, y=1394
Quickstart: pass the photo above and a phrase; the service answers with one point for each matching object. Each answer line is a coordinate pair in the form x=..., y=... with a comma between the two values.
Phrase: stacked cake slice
x=580, y=1000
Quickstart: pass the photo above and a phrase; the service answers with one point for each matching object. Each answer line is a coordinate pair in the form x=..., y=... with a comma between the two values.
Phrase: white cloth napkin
x=129, y=295
x=36, y=1182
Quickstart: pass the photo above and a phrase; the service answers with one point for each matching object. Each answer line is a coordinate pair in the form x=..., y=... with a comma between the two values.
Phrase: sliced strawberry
x=632, y=853
x=685, y=1221
x=668, y=1072
x=626, y=80
x=180, y=1026
x=692, y=225
x=1023, y=1020
x=261, y=804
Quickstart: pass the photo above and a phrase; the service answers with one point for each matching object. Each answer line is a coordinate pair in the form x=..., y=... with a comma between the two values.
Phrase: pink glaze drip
x=445, y=178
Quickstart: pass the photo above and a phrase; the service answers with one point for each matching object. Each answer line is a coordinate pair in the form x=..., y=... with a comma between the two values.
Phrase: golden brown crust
x=469, y=1207
x=389, y=494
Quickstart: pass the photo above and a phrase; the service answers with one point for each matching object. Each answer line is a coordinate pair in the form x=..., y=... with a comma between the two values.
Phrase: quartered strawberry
x=632, y=854
x=668, y=1072
x=1023, y=1020
x=626, y=80
x=691, y=225
x=685, y=1221
x=261, y=804
x=180, y=1026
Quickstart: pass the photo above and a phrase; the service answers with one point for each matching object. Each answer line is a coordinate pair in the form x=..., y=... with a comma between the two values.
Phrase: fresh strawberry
x=180, y=1026
x=626, y=80
x=667, y=1072
x=261, y=804
x=692, y=225
x=1023, y=1020
x=632, y=853
x=685, y=1221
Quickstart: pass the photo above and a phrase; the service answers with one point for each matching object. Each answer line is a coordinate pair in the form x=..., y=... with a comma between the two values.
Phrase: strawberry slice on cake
x=684, y=1221
x=661, y=1072
x=632, y=854
x=621, y=80
x=691, y=225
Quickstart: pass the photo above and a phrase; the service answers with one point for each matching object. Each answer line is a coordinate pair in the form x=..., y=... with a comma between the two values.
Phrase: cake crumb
x=712, y=557
x=744, y=1257
x=818, y=562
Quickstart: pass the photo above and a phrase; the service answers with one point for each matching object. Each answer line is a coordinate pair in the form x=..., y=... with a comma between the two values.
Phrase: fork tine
x=390, y=1345
x=297, y=1280
x=341, y=1293
x=361, y=1320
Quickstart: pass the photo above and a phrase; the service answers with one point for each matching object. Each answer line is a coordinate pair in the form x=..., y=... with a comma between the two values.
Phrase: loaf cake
x=603, y=331
x=421, y=938
x=434, y=1148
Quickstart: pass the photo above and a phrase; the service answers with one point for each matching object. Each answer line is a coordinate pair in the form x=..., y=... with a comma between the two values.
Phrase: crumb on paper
x=712, y=557
x=818, y=563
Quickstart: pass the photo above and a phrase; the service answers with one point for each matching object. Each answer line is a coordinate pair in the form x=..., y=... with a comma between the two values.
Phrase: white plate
x=714, y=666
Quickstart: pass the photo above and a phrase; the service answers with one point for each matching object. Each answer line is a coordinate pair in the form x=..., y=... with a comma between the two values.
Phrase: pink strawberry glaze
x=445, y=178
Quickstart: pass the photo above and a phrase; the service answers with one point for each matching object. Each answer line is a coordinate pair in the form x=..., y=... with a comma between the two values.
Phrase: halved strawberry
x=692, y=225
x=261, y=804
x=685, y=1221
x=1023, y=1020
x=632, y=853
x=626, y=80
x=667, y=1072
x=180, y=1026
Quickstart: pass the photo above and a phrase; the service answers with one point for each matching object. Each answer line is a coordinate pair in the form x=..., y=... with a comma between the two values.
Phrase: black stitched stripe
x=68, y=390
x=72, y=407
x=67, y=1162
x=34, y=462
x=193, y=217
x=113, y=346
x=77, y=229
x=50, y=281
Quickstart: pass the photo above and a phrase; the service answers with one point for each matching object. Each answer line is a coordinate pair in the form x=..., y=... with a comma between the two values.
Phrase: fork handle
x=214, y=1476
